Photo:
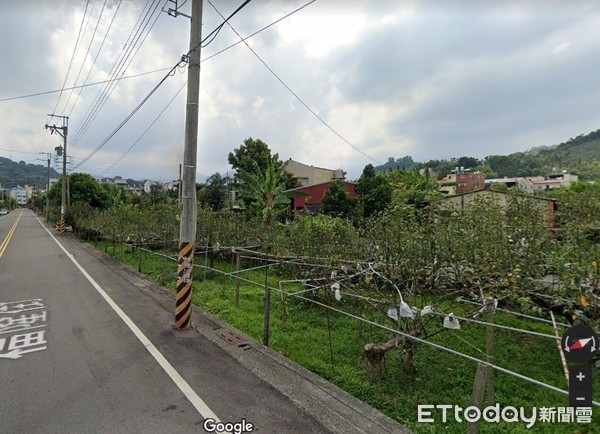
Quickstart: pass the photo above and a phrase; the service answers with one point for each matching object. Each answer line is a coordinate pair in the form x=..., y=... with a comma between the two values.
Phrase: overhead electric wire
x=97, y=52
x=72, y=56
x=118, y=68
x=96, y=83
x=258, y=31
x=203, y=42
x=111, y=75
x=64, y=110
x=293, y=93
x=129, y=61
x=116, y=130
x=49, y=92
x=210, y=57
x=21, y=152
x=111, y=135
x=44, y=139
x=147, y=129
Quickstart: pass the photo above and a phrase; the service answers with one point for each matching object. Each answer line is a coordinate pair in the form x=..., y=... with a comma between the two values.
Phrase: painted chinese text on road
x=22, y=328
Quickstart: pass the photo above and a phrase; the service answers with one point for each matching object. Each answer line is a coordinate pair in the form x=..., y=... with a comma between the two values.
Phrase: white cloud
x=561, y=47
x=394, y=78
x=321, y=31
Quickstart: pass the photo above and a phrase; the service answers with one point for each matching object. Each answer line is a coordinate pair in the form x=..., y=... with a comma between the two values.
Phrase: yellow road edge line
x=6, y=241
x=12, y=230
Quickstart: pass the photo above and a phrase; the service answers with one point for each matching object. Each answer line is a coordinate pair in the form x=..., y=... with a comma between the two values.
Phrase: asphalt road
x=95, y=354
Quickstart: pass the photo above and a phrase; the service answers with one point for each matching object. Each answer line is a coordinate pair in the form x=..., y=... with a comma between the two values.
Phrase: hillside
x=21, y=173
x=579, y=155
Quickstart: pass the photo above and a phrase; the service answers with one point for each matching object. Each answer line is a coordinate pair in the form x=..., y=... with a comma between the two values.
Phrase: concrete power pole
x=62, y=131
x=187, y=227
x=48, y=191
x=48, y=157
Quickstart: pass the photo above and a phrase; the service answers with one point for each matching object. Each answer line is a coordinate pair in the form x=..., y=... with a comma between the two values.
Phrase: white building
x=173, y=185
x=554, y=181
x=19, y=194
x=148, y=186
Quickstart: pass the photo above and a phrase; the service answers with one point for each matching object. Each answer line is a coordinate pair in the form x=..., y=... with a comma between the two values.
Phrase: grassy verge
x=441, y=378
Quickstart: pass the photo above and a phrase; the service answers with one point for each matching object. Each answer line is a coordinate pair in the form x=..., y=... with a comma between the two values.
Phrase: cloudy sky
x=430, y=79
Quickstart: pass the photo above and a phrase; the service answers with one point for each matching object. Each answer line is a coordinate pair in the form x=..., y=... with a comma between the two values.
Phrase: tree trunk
x=375, y=354
x=409, y=363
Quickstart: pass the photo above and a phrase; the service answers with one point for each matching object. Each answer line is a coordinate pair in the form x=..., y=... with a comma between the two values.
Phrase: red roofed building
x=315, y=193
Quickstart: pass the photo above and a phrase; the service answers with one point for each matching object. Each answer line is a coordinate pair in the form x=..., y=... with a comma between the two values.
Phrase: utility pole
x=48, y=157
x=179, y=187
x=48, y=191
x=187, y=227
x=62, y=131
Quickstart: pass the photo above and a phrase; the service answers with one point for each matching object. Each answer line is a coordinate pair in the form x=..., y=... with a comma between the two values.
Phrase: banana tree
x=267, y=190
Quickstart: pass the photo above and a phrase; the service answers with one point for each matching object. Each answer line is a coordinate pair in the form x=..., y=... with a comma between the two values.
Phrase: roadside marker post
x=183, y=302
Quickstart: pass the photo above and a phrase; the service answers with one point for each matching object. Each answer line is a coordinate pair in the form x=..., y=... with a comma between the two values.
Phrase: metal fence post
x=267, y=319
x=237, y=278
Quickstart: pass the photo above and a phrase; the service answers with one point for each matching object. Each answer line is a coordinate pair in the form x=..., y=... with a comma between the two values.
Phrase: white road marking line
x=183, y=385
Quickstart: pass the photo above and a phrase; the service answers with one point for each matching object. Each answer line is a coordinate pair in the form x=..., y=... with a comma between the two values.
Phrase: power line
x=21, y=152
x=64, y=110
x=293, y=93
x=216, y=31
x=72, y=56
x=116, y=130
x=147, y=129
x=49, y=92
x=119, y=67
x=98, y=52
x=178, y=64
x=44, y=139
x=258, y=31
x=31, y=95
x=219, y=52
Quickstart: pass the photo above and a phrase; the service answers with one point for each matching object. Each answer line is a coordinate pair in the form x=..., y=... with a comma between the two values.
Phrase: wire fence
x=339, y=273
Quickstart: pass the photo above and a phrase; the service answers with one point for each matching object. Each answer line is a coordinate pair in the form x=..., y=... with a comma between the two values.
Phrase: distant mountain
x=404, y=163
x=579, y=155
x=538, y=149
x=14, y=173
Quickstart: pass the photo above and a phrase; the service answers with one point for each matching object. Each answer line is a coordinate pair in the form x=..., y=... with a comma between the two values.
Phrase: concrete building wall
x=311, y=175
x=465, y=201
x=19, y=194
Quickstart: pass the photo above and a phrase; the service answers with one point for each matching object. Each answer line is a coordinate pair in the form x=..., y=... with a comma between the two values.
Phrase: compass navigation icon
x=580, y=343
